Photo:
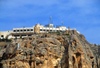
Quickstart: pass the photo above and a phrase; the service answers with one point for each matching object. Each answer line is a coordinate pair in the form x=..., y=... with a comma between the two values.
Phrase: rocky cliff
x=53, y=50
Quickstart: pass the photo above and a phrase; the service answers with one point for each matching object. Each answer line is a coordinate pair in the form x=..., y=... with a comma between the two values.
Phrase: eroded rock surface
x=68, y=50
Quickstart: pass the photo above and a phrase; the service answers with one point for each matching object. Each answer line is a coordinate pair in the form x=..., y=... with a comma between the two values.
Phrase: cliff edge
x=52, y=50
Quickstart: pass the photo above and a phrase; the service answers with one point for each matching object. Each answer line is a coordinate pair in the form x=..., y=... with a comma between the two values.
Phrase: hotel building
x=29, y=31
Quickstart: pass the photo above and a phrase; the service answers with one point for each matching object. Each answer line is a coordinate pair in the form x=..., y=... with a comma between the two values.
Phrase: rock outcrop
x=67, y=50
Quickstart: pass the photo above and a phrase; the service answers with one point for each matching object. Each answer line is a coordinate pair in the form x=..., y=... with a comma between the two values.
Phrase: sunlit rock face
x=66, y=50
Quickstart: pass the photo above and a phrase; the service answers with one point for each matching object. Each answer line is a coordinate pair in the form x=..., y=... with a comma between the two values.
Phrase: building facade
x=29, y=31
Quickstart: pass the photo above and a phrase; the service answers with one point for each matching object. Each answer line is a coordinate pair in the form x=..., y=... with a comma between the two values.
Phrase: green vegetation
x=20, y=37
x=58, y=33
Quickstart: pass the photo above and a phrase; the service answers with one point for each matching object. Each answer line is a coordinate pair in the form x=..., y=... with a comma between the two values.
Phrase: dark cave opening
x=78, y=57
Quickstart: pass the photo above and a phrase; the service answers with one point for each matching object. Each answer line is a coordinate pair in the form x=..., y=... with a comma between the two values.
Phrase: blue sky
x=84, y=15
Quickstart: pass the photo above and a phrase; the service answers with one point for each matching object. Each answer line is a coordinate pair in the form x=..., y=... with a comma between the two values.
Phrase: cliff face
x=68, y=50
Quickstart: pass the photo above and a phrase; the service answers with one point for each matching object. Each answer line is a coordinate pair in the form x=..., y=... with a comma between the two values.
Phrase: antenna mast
x=50, y=20
x=62, y=23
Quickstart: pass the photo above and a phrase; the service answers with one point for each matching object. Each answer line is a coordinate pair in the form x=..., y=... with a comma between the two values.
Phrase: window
x=14, y=30
x=40, y=29
x=47, y=30
x=31, y=29
x=44, y=30
x=21, y=30
x=2, y=36
x=16, y=35
x=23, y=35
x=57, y=30
x=24, y=30
x=28, y=30
x=50, y=30
x=30, y=35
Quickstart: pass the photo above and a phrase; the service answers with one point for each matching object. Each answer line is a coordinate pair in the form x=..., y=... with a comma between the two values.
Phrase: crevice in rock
x=30, y=63
x=52, y=42
x=0, y=65
x=92, y=64
x=73, y=60
x=40, y=42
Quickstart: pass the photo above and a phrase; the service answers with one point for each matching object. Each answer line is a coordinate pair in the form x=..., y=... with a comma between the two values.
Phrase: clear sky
x=84, y=15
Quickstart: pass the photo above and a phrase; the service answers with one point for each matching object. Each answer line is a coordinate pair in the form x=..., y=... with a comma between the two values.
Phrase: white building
x=29, y=31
